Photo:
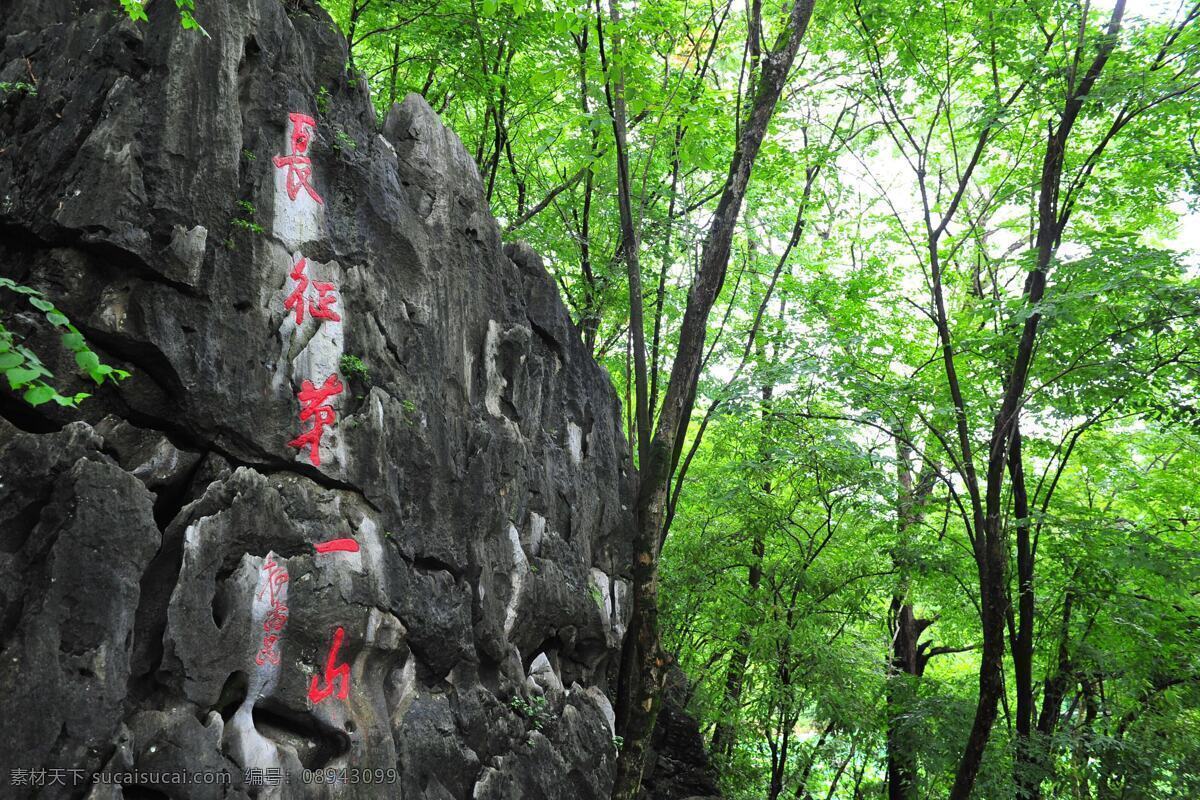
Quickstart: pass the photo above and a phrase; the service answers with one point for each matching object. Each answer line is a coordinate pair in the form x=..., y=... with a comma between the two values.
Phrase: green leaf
x=39, y=394
x=73, y=341
x=41, y=304
x=89, y=362
x=30, y=356
x=21, y=376
x=10, y=360
x=135, y=10
x=57, y=318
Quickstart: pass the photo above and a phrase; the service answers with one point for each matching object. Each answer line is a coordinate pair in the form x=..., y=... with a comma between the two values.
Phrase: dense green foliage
x=22, y=368
x=137, y=12
x=931, y=170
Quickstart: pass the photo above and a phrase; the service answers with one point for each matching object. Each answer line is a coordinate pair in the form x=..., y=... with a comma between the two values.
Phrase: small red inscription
x=276, y=617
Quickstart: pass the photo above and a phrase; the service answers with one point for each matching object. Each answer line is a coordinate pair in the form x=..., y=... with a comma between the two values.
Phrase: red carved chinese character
x=318, y=307
x=276, y=618
x=312, y=399
x=268, y=653
x=277, y=575
x=339, y=673
x=337, y=545
x=299, y=166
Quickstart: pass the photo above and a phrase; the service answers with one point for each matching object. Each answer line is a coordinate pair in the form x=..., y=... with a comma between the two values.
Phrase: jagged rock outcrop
x=678, y=767
x=328, y=346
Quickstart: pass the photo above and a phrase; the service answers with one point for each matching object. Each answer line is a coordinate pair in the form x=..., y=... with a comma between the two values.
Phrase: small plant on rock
x=17, y=88
x=535, y=710
x=343, y=141
x=137, y=12
x=353, y=367
x=246, y=221
x=323, y=101
x=248, y=225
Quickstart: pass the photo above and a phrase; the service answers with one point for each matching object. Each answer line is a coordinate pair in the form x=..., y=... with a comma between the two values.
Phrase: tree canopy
x=929, y=523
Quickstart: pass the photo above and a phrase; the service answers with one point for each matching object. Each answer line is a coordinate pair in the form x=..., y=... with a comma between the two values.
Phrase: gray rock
x=678, y=767
x=477, y=461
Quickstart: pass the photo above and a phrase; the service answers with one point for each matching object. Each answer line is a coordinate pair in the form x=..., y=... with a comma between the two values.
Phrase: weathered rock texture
x=678, y=767
x=478, y=463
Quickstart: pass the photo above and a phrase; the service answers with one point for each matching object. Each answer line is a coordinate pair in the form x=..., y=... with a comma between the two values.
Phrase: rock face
x=678, y=767
x=328, y=346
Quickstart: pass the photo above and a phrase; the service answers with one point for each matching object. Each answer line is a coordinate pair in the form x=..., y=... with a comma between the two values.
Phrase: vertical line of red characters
x=317, y=298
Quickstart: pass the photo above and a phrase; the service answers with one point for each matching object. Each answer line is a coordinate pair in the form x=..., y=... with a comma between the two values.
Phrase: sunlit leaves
x=24, y=371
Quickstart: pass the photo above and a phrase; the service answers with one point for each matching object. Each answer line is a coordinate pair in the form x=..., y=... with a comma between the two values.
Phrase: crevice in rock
x=552, y=343
x=388, y=343
x=52, y=236
x=565, y=516
x=432, y=564
x=155, y=588
x=221, y=604
x=12, y=618
x=143, y=356
x=509, y=410
x=170, y=500
x=233, y=694
x=24, y=416
x=270, y=465
x=589, y=422
x=23, y=523
x=140, y=791
x=304, y=471
x=549, y=646
x=316, y=743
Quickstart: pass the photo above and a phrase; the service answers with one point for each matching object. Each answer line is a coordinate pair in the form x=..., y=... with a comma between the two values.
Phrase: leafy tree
x=916, y=403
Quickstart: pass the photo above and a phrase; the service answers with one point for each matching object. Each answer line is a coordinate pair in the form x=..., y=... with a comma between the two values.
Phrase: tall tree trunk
x=355, y=12
x=1058, y=681
x=589, y=322
x=901, y=756
x=393, y=72
x=640, y=681
x=1025, y=772
x=905, y=664
x=1083, y=748
x=614, y=93
x=724, y=735
x=991, y=554
x=779, y=760
x=802, y=792
x=660, y=296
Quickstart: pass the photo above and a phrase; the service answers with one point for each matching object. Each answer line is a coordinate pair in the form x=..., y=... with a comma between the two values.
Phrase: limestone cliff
x=364, y=503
